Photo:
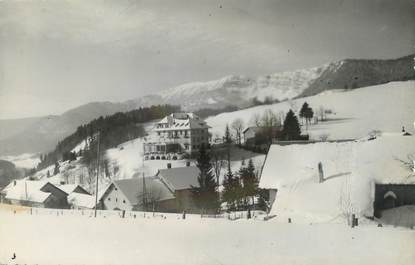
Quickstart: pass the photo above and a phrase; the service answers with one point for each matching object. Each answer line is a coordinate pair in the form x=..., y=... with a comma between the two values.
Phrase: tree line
x=113, y=130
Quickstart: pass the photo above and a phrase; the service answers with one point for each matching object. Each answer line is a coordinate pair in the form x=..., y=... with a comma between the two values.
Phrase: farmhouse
x=180, y=181
x=34, y=194
x=138, y=193
x=175, y=134
x=327, y=180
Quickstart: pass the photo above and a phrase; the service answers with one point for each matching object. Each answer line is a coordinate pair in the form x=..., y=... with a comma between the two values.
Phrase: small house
x=138, y=193
x=180, y=181
x=34, y=194
x=261, y=135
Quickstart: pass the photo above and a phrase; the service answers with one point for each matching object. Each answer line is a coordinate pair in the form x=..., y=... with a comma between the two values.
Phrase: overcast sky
x=55, y=55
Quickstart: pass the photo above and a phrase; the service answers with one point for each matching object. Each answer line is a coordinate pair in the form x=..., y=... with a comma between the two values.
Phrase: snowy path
x=77, y=240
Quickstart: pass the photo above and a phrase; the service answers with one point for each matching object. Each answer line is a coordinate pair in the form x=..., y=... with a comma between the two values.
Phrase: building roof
x=255, y=129
x=81, y=200
x=350, y=171
x=180, y=178
x=26, y=190
x=133, y=188
x=182, y=121
x=69, y=188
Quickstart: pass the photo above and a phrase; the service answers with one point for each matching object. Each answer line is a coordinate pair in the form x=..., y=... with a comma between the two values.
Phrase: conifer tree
x=303, y=111
x=206, y=195
x=232, y=190
x=309, y=114
x=250, y=182
x=291, y=130
x=228, y=136
x=56, y=169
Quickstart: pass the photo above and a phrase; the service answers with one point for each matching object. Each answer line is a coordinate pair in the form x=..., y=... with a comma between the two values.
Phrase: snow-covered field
x=128, y=157
x=385, y=107
x=41, y=239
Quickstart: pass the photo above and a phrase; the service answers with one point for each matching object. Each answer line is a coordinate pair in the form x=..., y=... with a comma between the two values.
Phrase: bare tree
x=408, y=164
x=269, y=119
x=218, y=162
x=321, y=113
x=345, y=200
x=270, y=122
x=256, y=120
x=237, y=125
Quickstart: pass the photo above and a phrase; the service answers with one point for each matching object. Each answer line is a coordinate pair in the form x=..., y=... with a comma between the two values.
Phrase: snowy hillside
x=355, y=113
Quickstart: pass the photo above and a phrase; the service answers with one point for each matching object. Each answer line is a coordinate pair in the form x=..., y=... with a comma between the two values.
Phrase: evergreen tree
x=291, y=130
x=309, y=114
x=250, y=183
x=232, y=190
x=206, y=195
x=56, y=169
x=228, y=136
x=227, y=194
x=303, y=111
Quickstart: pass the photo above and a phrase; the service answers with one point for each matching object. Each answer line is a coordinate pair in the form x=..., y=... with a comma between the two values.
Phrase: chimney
x=14, y=183
x=168, y=165
x=187, y=163
x=320, y=172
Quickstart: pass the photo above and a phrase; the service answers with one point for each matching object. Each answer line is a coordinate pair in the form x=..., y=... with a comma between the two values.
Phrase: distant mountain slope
x=41, y=134
x=8, y=172
x=353, y=73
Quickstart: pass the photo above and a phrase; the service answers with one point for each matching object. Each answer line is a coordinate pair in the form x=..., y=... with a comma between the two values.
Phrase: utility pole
x=144, y=186
x=25, y=189
x=96, y=183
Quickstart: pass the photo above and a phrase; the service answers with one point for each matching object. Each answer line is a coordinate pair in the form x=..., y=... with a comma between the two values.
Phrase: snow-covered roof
x=82, y=200
x=350, y=170
x=177, y=121
x=180, y=178
x=70, y=188
x=133, y=188
x=26, y=190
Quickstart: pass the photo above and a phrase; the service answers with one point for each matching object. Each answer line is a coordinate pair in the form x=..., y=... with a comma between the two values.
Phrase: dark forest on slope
x=113, y=130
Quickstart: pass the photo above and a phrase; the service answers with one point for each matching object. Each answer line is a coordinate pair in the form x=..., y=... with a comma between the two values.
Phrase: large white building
x=175, y=134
